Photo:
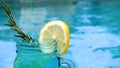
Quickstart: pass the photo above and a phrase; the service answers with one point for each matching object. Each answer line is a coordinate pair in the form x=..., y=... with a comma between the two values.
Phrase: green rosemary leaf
x=7, y=24
x=19, y=36
x=5, y=8
x=8, y=11
x=12, y=24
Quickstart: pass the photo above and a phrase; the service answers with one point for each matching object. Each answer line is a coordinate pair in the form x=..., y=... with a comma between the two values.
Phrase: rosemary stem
x=11, y=23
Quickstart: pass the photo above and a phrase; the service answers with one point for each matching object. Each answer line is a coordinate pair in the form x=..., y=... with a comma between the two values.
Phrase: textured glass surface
x=31, y=57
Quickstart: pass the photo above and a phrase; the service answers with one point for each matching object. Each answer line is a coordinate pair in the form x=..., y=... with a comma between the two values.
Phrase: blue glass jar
x=31, y=57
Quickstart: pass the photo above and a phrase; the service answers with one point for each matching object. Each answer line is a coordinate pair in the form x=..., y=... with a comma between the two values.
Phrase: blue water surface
x=94, y=29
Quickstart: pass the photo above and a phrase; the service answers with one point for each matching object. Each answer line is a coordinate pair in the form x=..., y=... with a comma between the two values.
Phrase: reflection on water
x=115, y=51
x=87, y=47
x=94, y=38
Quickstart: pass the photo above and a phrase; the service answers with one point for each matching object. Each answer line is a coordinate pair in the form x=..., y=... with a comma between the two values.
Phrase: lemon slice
x=55, y=31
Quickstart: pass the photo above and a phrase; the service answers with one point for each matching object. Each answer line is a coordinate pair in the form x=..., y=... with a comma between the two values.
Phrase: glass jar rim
x=26, y=45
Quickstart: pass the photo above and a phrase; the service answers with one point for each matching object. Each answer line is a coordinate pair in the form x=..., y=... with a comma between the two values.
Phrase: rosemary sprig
x=11, y=23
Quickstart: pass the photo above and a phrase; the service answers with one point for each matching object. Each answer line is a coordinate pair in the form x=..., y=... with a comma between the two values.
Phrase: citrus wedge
x=55, y=31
